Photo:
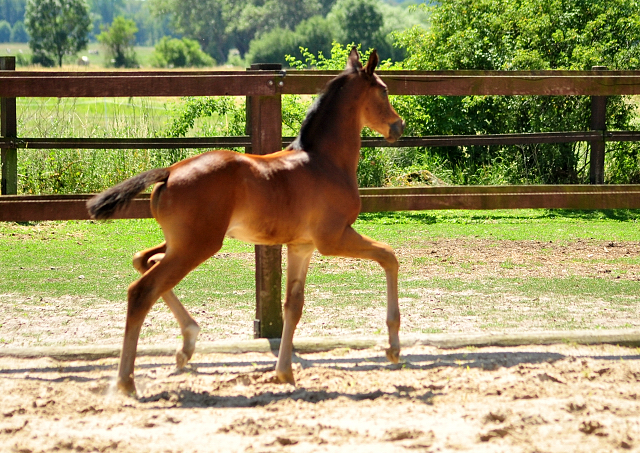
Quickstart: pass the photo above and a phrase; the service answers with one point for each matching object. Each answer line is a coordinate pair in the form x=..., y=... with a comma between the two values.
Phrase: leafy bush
x=228, y=115
x=180, y=53
x=313, y=34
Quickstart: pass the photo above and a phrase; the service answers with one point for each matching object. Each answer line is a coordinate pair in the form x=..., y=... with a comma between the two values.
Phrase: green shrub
x=180, y=53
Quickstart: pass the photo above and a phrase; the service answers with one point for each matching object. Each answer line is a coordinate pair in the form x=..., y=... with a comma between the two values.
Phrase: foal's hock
x=305, y=196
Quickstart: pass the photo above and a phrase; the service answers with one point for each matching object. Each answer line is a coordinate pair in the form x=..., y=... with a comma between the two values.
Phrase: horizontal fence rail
x=245, y=140
x=271, y=83
x=22, y=208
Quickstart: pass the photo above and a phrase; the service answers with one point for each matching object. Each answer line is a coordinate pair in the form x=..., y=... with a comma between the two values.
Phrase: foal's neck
x=332, y=126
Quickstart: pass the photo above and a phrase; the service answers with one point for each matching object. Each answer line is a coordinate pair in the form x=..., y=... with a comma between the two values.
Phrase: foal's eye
x=385, y=93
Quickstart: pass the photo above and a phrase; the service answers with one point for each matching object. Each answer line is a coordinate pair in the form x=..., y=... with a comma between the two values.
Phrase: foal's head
x=375, y=110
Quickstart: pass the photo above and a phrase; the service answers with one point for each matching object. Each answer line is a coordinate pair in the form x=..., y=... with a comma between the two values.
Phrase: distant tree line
x=267, y=30
x=238, y=31
x=12, y=21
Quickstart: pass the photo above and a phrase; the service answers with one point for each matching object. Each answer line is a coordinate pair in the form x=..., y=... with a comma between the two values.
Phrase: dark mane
x=321, y=107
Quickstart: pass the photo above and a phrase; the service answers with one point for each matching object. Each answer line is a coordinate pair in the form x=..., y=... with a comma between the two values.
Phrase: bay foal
x=305, y=196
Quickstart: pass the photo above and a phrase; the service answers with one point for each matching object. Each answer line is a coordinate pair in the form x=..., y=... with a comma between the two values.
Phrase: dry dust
x=562, y=398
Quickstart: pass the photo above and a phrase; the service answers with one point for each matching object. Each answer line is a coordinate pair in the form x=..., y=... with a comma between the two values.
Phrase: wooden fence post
x=8, y=129
x=598, y=123
x=264, y=125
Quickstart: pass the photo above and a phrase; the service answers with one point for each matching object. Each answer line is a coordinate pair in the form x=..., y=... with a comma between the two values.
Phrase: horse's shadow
x=188, y=398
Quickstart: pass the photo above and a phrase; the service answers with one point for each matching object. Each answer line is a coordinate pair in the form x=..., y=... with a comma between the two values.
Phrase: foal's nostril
x=396, y=129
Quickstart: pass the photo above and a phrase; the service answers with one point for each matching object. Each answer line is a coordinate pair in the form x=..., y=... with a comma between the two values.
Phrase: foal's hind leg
x=142, y=294
x=353, y=245
x=298, y=257
x=143, y=261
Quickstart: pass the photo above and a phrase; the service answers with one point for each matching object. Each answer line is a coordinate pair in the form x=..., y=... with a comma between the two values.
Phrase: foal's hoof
x=181, y=360
x=126, y=387
x=393, y=355
x=286, y=377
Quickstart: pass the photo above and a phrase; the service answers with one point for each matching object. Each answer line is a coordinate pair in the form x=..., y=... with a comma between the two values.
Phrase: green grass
x=93, y=117
x=92, y=261
x=518, y=224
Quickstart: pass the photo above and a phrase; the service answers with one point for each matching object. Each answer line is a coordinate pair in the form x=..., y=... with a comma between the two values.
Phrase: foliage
x=253, y=19
x=56, y=28
x=150, y=28
x=118, y=39
x=228, y=112
x=5, y=31
x=533, y=34
x=313, y=34
x=266, y=30
x=19, y=32
x=180, y=53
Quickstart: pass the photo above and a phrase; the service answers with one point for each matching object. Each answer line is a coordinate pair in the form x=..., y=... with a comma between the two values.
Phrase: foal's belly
x=268, y=234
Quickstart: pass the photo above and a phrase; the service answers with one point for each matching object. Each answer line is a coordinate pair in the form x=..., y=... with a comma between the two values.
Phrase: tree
x=107, y=9
x=119, y=39
x=202, y=20
x=57, y=28
x=5, y=31
x=527, y=35
x=357, y=21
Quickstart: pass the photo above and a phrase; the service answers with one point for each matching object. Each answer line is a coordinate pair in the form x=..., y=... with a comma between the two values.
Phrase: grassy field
x=94, y=53
x=460, y=271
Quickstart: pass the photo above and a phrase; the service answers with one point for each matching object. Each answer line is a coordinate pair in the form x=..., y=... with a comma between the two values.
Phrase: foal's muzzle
x=395, y=130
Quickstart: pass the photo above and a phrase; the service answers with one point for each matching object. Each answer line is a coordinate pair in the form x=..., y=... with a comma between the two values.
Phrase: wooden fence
x=264, y=85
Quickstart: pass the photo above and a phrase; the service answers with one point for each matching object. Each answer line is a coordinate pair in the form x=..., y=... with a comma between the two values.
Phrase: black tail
x=106, y=204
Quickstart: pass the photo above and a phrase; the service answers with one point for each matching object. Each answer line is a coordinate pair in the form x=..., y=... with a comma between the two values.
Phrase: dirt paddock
x=553, y=398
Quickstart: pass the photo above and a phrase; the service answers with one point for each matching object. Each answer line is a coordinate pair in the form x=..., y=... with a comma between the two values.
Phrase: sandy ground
x=564, y=398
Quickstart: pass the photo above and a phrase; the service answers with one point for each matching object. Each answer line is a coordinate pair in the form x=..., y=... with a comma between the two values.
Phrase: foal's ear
x=372, y=63
x=353, y=62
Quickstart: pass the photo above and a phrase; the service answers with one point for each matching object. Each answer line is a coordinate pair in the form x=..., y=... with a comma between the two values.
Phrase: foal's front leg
x=351, y=244
x=143, y=261
x=298, y=257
